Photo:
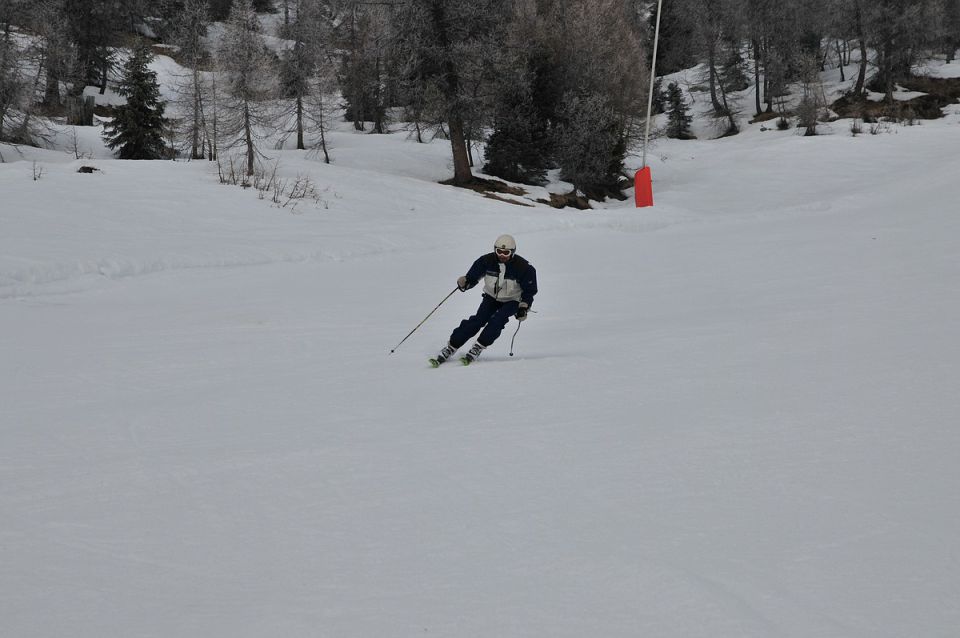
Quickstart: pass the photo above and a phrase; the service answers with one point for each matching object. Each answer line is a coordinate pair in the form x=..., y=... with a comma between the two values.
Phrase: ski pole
x=519, y=323
x=424, y=319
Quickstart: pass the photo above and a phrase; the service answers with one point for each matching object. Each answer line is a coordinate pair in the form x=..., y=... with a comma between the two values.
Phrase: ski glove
x=522, y=311
x=462, y=283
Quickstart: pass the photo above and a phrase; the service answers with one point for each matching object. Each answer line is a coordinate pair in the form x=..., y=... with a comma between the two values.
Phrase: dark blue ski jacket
x=515, y=280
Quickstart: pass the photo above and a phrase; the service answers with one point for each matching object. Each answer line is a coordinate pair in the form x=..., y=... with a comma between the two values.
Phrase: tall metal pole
x=653, y=74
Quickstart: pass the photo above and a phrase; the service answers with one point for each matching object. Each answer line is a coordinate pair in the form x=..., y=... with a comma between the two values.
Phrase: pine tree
x=520, y=147
x=518, y=150
x=676, y=33
x=658, y=104
x=951, y=37
x=590, y=144
x=678, y=116
x=220, y=9
x=446, y=45
x=899, y=31
x=138, y=126
x=732, y=71
x=95, y=27
x=597, y=45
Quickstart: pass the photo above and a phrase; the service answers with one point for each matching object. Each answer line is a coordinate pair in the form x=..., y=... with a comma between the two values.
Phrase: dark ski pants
x=492, y=316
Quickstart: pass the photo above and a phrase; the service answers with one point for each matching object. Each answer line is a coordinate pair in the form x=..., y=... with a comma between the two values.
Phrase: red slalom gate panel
x=643, y=183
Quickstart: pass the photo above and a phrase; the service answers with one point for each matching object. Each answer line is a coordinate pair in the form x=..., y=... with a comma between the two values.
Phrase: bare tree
x=859, y=32
x=189, y=31
x=808, y=110
x=248, y=75
x=12, y=84
x=304, y=61
x=56, y=53
x=308, y=70
x=714, y=27
x=18, y=86
x=321, y=106
x=365, y=35
x=776, y=30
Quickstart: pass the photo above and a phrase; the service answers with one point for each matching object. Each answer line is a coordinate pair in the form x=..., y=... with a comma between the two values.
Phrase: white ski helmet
x=505, y=242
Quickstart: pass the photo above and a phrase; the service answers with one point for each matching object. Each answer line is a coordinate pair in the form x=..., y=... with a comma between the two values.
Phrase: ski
x=435, y=363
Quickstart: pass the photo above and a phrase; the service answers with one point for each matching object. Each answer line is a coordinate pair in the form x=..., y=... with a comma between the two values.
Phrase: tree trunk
x=767, y=93
x=23, y=133
x=888, y=72
x=461, y=160
x=196, y=151
x=300, y=145
x=378, y=126
x=885, y=70
x=358, y=114
x=712, y=70
x=756, y=75
x=732, y=128
x=862, y=72
x=321, y=122
x=248, y=138
x=323, y=144
x=355, y=79
x=104, y=71
x=215, y=141
x=840, y=61
x=51, y=94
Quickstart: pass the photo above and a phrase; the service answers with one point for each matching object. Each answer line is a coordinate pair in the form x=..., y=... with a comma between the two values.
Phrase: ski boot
x=472, y=354
x=445, y=354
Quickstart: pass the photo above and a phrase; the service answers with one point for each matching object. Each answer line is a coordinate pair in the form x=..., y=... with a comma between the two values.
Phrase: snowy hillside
x=734, y=414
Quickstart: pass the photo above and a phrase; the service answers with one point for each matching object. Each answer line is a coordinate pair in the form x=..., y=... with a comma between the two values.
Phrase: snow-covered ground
x=734, y=414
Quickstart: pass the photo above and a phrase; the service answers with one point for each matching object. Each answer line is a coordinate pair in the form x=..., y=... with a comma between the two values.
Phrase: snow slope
x=733, y=415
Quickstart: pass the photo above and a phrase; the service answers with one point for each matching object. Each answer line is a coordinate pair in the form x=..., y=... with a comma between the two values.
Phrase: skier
x=509, y=285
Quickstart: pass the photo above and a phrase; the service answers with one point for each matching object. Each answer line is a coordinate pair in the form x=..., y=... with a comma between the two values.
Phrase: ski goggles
x=505, y=252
